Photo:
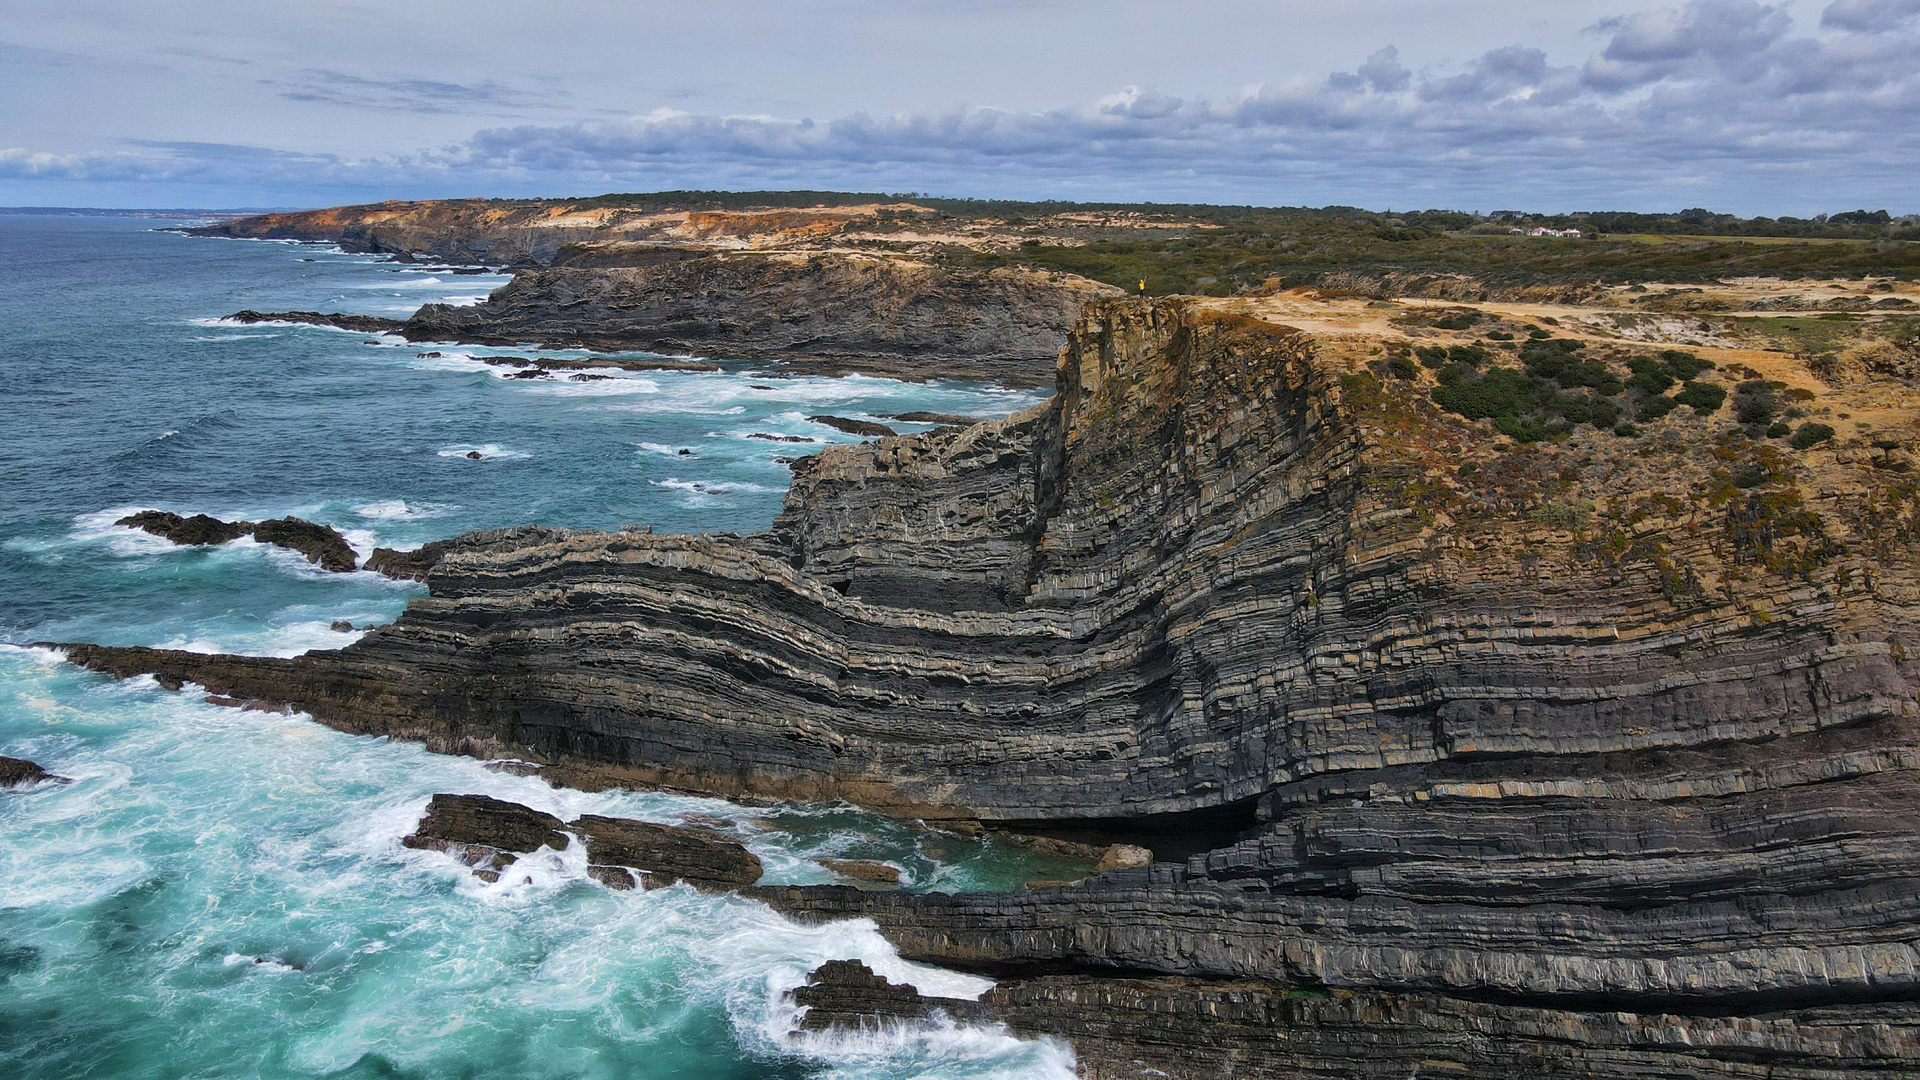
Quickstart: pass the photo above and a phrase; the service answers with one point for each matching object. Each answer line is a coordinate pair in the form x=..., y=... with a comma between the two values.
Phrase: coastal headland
x=1511, y=682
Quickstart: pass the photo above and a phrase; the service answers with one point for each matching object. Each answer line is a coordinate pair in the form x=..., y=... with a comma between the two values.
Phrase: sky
x=1790, y=108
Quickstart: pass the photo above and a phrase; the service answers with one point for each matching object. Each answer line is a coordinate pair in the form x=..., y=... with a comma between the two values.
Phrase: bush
x=1402, y=368
x=1754, y=402
x=1626, y=431
x=1811, y=435
x=1778, y=431
x=1470, y=355
x=1650, y=375
x=1537, y=334
x=1432, y=355
x=1705, y=398
x=1503, y=392
x=1684, y=365
x=1653, y=408
x=1499, y=335
x=1590, y=373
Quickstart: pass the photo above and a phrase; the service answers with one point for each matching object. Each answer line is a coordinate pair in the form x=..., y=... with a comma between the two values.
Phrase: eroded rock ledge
x=1429, y=795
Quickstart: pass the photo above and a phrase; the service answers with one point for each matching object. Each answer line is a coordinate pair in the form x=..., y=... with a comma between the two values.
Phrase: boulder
x=1123, y=857
x=485, y=833
x=665, y=853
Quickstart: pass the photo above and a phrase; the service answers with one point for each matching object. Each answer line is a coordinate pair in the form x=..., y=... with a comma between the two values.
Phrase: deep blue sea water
x=223, y=893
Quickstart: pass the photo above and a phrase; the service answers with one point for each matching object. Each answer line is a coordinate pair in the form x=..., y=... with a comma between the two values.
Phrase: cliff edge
x=1459, y=755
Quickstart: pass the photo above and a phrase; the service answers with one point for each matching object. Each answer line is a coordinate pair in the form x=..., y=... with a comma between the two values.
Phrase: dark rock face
x=1426, y=795
x=666, y=853
x=864, y=428
x=19, y=773
x=321, y=544
x=818, y=312
x=486, y=834
x=198, y=529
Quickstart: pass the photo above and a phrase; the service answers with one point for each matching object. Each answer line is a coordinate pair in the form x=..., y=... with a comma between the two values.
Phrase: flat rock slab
x=666, y=853
x=485, y=833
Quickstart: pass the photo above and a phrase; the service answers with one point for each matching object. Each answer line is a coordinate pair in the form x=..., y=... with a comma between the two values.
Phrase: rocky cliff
x=773, y=283
x=818, y=311
x=1458, y=757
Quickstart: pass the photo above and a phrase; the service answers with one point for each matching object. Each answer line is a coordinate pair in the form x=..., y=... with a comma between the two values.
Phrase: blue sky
x=1791, y=108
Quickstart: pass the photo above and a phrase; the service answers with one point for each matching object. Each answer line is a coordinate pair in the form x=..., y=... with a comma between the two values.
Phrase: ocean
x=222, y=893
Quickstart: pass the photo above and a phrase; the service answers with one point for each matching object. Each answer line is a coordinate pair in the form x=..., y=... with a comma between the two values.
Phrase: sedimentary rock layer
x=1490, y=794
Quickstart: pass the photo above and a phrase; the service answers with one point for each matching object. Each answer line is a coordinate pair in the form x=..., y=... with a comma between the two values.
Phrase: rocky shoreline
x=1427, y=793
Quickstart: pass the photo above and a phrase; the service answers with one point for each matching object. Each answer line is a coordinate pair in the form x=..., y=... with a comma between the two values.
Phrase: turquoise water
x=222, y=893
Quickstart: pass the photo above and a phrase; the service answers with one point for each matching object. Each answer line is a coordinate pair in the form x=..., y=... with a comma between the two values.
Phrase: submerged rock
x=485, y=833
x=19, y=773
x=864, y=870
x=665, y=853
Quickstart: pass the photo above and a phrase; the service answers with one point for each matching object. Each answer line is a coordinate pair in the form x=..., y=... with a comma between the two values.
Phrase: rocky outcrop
x=1439, y=774
x=866, y=429
x=321, y=544
x=821, y=312
x=186, y=531
x=359, y=324
x=491, y=834
x=665, y=854
x=487, y=834
x=403, y=565
x=20, y=773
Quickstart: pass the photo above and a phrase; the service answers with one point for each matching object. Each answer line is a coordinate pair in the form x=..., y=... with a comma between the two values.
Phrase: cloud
x=324, y=87
x=1869, y=16
x=1716, y=101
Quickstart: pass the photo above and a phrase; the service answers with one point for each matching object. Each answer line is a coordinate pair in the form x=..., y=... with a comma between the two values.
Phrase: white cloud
x=1716, y=100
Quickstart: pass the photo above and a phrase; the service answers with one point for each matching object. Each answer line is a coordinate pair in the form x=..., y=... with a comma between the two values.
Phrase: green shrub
x=1653, y=408
x=1626, y=431
x=1537, y=334
x=1754, y=403
x=1705, y=398
x=1471, y=355
x=1811, y=435
x=1650, y=375
x=1432, y=355
x=1459, y=320
x=1503, y=392
x=1778, y=431
x=1402, y=367
x=1684, y=365
x=1499, y=335
x=1751, y=474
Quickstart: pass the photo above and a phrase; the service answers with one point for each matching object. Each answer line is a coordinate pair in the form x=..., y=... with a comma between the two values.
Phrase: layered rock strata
x=1455, y=796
